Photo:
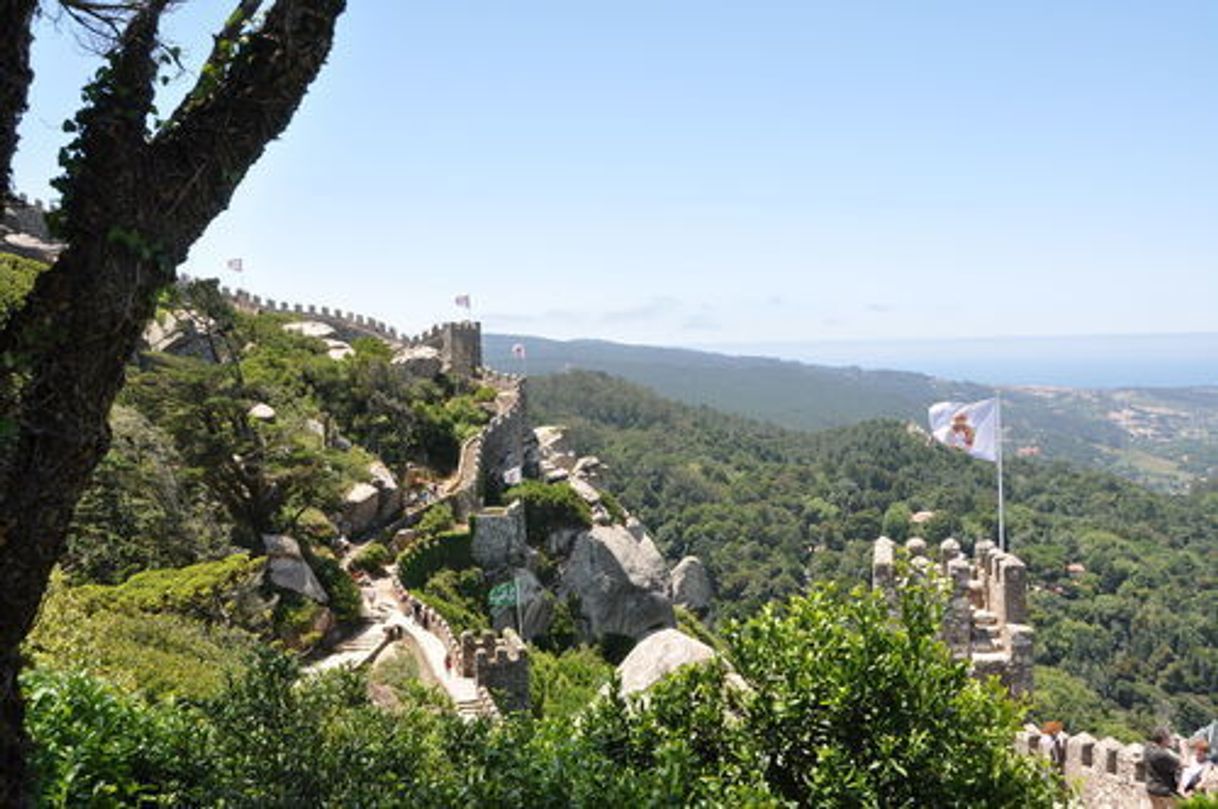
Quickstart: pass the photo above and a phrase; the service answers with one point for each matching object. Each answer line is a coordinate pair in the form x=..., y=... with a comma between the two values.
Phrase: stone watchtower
x=986, y=620
x=500, y=663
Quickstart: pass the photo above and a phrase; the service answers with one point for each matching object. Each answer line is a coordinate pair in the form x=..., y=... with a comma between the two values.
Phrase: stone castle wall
x=985, y=621
x=499, y=663
x=498, y=447
x=1104, y=773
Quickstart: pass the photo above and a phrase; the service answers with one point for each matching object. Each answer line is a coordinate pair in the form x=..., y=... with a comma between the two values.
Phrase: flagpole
x=516, y=587
x=1002, y=540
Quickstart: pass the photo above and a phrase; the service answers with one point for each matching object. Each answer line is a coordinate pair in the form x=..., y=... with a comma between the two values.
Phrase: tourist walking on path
x=1162, y=770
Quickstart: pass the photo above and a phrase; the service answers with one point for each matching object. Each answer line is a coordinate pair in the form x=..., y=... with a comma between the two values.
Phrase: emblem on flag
x=462, y=301
x=970, y=427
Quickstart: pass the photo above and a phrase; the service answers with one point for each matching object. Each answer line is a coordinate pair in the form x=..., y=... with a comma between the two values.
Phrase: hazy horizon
x=1080, y=361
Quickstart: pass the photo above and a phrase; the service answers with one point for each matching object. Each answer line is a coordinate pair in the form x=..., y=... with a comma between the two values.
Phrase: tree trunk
x=16, y=34
x=134, y=206
x=69, y=394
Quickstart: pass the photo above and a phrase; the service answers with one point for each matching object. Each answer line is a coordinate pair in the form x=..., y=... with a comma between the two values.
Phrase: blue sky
x=702, y=173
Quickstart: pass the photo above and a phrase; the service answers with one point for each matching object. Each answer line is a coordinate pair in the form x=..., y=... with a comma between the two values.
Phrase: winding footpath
x=389, y=622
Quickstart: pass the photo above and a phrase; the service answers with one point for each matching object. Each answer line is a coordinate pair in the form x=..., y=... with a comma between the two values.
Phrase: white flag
x=972, y=427
x=513, y=476
x=236, y=265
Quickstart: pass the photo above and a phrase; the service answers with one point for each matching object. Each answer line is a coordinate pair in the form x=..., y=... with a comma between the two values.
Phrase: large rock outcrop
x=691, y=586
x=288, y=569
x=621, y=582
x=658, y=655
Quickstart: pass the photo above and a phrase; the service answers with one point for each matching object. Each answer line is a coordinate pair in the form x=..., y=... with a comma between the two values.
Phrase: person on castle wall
x=1199, y=776
x=1162, y=770
x=1053, y=744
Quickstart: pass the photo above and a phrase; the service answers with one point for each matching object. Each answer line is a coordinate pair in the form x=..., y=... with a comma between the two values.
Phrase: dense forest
x=1123, y=579
x=1162, y=437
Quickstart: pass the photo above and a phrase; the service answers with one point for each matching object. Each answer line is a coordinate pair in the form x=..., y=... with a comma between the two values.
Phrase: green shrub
x=562, y=685
x=345, y=599
x=435, y=519
x=611, y=504
x=459, y=596
x=425, y=555
x=485, y=394
x=17, y=277
x=372, y=558
x=549, y=507
x=159, y=654
x=205, y=590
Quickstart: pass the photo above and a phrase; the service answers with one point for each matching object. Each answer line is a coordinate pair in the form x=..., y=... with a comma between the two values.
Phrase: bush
x=549, y=507
x=206, y=590
x=345, y=599
x=562, y=685
x=159, y=654
x=435, y=519
x=372, y=558
x=426, y=555
x=459, y=596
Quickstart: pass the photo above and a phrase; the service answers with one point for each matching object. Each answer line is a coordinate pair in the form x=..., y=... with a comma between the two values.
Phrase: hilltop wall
x=986, y=617
x=458, y=344
x=1105, y=773
x=497, y=448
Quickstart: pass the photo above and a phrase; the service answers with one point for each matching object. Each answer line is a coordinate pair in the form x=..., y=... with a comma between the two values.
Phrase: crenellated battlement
x=1105, y=773
x=985, y=620
x=500, y=663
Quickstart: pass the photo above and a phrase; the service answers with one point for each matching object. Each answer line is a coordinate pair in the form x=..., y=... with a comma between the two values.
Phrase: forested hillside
x=1125, y=640
x=1166, y=438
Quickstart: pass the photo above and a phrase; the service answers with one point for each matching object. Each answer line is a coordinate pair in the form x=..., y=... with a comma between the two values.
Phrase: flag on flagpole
x=235, y=265
x=518, y=351
x=462, y=301
x=968, y=426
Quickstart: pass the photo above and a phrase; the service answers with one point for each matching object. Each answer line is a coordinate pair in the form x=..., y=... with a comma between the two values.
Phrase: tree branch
x=222, y=127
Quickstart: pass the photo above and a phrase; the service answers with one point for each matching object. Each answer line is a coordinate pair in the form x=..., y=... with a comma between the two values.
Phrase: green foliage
x=459, y=596
x=616, y=513
x=563, y=685
x=17, y=276
x=563, y=633
x=158, y=653
x=96, y=746
x=766, y=509
x=688, y=623
x=265, y=473
x=896, y=522
x=435, y=520
x=140, y=511
x=549, y=507
x=372, y=558
x=345, y=599
x=426, y=555
x=205, y=590
x=1199, y=802
x=844, y=705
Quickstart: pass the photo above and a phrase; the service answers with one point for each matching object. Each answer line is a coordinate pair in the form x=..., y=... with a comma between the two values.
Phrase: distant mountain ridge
x=1163, y=437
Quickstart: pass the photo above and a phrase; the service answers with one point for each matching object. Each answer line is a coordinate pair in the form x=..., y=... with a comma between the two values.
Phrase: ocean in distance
x=1099, y=361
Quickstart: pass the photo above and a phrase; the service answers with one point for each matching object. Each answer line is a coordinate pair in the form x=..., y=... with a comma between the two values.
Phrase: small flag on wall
x=462, y=301
x=971, y=427
x=518, y=351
